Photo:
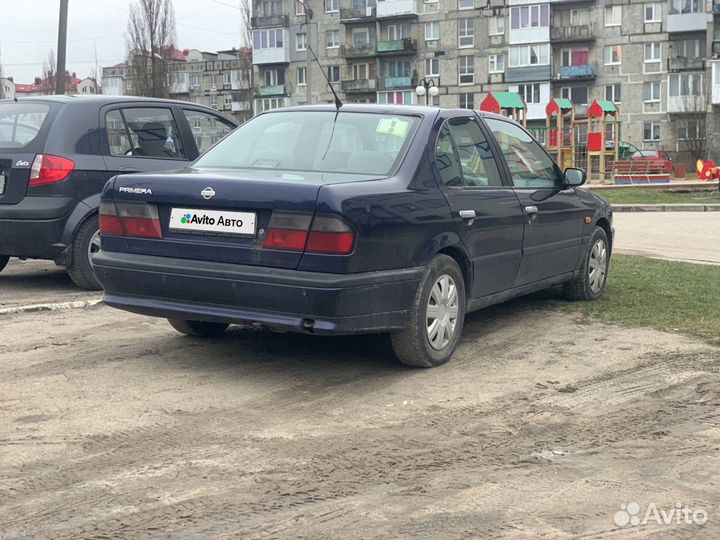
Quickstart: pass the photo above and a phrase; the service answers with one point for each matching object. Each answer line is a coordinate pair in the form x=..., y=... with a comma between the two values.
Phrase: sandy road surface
x=113, y=426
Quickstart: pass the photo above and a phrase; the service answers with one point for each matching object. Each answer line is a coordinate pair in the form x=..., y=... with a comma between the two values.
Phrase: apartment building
x=659, y=61
x=221, y=80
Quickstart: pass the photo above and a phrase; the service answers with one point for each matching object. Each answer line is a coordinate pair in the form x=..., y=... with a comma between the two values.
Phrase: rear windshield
x=20, y=123
x=360, y=143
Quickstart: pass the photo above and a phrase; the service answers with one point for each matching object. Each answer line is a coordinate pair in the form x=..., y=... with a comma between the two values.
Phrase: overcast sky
x=28, y=30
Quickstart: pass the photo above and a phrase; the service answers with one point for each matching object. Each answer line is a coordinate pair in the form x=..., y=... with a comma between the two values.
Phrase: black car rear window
x=316, y=141
x=21, y=123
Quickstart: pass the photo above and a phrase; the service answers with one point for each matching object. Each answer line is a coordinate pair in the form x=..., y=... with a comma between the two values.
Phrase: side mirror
x=575, y=177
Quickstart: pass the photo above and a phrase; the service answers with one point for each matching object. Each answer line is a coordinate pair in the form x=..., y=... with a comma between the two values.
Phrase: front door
x=553, y=214
x=486, y=213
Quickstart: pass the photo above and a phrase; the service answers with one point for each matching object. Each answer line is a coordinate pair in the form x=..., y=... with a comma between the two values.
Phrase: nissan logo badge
x=208, y=193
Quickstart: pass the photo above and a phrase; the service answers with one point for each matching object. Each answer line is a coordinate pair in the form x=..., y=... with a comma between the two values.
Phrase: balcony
x=396, y=8
x=528, y=74
x=388, y=83
x=274, y=90
x=349, y=15
x=581, y=32
x=358, y=51
x=588, y=71
x=687, y=104
x=682, y=63
x=687, y=22
x=399, y=46
x=275, y=55
x=270, y=21
x=355, y=86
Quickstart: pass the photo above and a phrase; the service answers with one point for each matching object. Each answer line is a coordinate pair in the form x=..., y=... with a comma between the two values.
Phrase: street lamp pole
x=427, y=87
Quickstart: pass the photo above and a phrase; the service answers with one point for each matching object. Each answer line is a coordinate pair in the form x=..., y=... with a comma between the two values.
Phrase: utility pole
x=61, y=48
x=308, y=57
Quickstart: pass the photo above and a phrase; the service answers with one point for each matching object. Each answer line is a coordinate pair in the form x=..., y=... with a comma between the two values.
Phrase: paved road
x=689, y=236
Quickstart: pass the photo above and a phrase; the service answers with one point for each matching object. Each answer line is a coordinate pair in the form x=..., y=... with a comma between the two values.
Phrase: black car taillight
x=292, y=232
x=47, y=169
x=130, y=219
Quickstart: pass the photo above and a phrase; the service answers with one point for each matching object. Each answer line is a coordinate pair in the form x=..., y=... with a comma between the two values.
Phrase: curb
x=666, y=207
x=50, y=307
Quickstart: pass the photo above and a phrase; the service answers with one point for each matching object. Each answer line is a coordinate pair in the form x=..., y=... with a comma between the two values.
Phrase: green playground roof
x=564, y=103
x=607, y=106
x=509, y=100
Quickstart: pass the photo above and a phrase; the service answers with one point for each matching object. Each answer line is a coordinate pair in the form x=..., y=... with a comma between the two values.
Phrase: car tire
x=590, y=282
x=85, y=242
x=4, y=260
x=198, y=328
x=443, y=288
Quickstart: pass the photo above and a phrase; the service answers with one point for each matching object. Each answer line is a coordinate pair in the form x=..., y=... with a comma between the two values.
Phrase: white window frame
x=301, y=81
x=358, y=31
x=496, y=63
x=227, y=78
x=354, y=68
x=336, y=42
x=465, y=95
x=526, y=49
x=469, y=69
x=298, y=41
x=654, y=137
x=653, y=98
x=605, y=55
x=655, y=48
x=430, y=72
x=335, y=69
x=299, y=9
x=471, y=6
x=523, y=88
x=690, y=83
x=434, y=36
x=616, y=12
x=656, y=8
x=332, y=6
x=614, y=96
x=467, y=33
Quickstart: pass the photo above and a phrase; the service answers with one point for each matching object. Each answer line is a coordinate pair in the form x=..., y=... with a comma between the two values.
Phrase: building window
x=227, y=100
x=690, y=130
x=652, y=52
x=653, y=13
x=690, y=48
x=529, y=92
x=466, y=69
x=331, y=6
x=467, y=101
x=651, y=92
x=302, y=76
x=466, y=33
x=332, y=39
x=613, y=55
x=529, y=16
x=227, y=78
x=273, y=77
x=196, y=80
x=577, y=94
x=574, y=57
x=530, y=55
x=398, y=31
x=406, y=97
x=432, y=31
x=333, y=73
x=267, y=104
x=613, y=15
x=496, y=63
x=268, y=39
x=432, y=67
x=651, y=131
x=360, y=37
x=686, y=84
x=466, y=4
x=299, y=8
x=681, y=7
x=301, y=41
x=359, y=72
x=613, y=92
x=497, y=26
x=397, y=68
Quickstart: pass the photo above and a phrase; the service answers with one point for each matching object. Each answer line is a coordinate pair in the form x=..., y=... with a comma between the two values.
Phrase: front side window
x=316, y=141
x=530, y=166
x=207, y=129
x=149, y=132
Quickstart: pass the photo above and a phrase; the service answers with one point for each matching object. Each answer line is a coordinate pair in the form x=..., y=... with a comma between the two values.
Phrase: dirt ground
x=114, y=426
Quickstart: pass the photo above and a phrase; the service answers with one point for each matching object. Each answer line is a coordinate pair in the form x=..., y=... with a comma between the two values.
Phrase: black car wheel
x=590, y=282
x=436, y=318
x=4, y=260
x=198, y=328
x=85, y=244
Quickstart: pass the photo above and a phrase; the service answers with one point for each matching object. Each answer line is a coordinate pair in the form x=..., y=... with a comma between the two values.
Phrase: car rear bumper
x=34, y=227
x=278, y=298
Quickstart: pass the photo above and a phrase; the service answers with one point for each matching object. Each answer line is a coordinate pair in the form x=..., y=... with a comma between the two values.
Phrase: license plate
x=212, y=221
x=2, y=184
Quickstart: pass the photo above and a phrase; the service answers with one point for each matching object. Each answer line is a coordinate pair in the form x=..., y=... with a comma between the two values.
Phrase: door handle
x=467, y=214
x=129, y=169
x=531, y=210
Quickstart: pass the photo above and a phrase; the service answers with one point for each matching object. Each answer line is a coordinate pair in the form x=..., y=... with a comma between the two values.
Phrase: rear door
x=553, y=214
x=23, y=130
x=487, y=213
x=144, y=138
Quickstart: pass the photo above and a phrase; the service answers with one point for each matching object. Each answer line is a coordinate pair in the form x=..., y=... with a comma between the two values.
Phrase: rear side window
x=207, y=129
x=21, y=123
x=143, y=132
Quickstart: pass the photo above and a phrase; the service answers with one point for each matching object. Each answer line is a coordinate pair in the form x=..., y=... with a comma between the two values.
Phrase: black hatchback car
x=366, y=219
x=57, y=153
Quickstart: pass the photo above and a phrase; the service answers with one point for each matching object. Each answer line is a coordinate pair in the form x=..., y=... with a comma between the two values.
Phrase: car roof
x=97, y=100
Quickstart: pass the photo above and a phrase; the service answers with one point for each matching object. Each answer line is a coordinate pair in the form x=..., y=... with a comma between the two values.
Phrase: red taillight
x=47, y=169
x=328, y=234
x=130, y=219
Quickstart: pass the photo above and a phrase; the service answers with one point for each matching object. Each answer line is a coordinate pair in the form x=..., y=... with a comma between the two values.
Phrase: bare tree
x=246, y=21
x=48, y=74
x=2, y=85
x=692, y=125
x=151, y=43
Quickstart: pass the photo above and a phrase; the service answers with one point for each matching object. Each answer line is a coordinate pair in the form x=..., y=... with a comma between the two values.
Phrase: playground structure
x=506, y=103
x=603, y=138
x=560, y=139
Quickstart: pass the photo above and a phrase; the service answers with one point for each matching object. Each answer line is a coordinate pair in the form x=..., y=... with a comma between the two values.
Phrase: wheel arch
x=604, y=224
x=463, y=261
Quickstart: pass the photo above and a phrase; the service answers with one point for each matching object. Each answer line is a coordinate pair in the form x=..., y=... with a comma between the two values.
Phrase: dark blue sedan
x=366, y=219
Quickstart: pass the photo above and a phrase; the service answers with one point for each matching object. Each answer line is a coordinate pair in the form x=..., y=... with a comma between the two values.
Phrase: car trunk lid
x=14, y=176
